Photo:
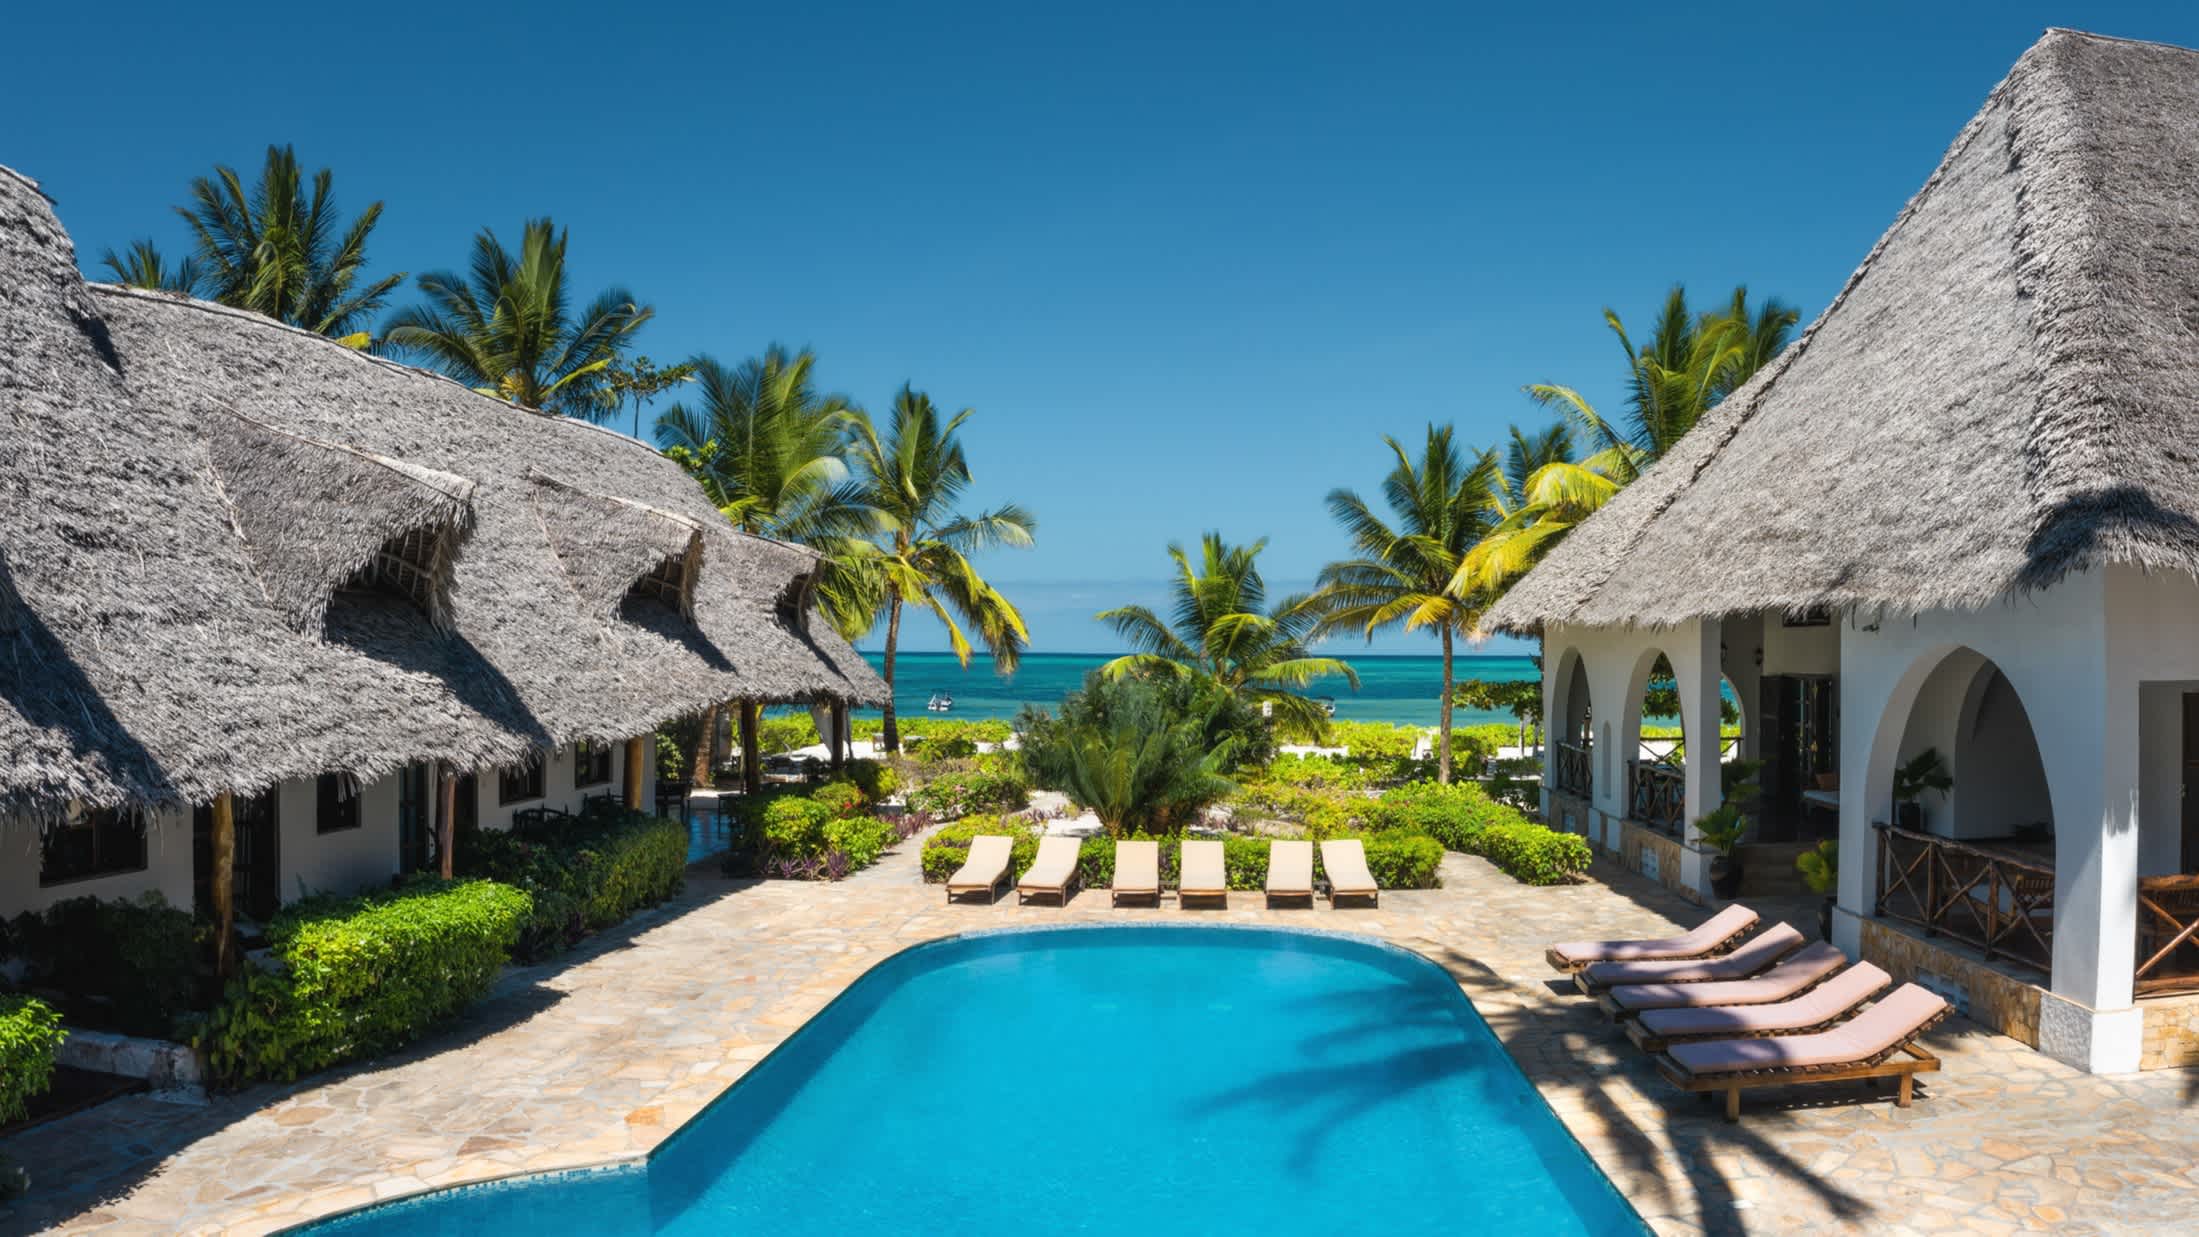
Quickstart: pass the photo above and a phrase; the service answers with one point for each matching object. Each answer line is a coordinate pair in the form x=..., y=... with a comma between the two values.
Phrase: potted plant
x=1820, y=870
x=1925, y=771
x=1721, y=831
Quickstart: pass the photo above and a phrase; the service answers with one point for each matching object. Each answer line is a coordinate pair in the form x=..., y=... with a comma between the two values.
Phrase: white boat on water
x=940, y=702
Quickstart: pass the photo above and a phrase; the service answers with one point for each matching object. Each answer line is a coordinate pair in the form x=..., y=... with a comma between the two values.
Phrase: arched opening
x=1656, y=738
x=1959, y=800
x=1572, y=726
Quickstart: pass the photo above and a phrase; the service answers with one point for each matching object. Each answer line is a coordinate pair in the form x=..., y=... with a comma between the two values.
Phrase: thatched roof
x=231, y=542
x=2005, y=391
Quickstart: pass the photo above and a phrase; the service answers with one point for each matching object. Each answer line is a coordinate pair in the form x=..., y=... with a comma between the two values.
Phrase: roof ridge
x=2097, y=37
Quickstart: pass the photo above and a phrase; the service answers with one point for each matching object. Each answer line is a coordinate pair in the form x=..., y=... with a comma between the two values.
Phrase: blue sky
x=1188, y=263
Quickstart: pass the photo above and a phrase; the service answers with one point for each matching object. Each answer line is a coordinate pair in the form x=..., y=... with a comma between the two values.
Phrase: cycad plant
x=1443, y=503
x=1222, y=629
x=506, y=328
x=1142, y=755
x=281, y=250
x=911, y=478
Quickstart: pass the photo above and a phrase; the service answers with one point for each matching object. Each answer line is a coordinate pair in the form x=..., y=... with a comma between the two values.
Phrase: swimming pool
x=1098, y=1080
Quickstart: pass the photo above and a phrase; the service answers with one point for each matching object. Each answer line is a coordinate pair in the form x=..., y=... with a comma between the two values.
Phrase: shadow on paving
x=86, y=1160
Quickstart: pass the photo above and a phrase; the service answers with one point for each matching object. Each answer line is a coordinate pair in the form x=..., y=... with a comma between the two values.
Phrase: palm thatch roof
x=2004, y=392
x=233, y=553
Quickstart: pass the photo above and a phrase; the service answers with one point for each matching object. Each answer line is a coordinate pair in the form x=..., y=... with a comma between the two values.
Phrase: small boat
x=940, y=702
x=1328, y=705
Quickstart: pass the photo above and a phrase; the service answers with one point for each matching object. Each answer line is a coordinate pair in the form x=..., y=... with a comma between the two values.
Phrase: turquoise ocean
x=1399, y=689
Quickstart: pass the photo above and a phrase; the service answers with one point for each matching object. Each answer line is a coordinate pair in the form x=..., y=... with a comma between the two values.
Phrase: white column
x=1696, y=666
x=2089, y=1020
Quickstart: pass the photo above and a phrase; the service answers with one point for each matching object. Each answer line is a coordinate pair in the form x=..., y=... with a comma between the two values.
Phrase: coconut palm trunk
x=891, y=737
x=698, y=765
x=752, y=763
x=1443, y=742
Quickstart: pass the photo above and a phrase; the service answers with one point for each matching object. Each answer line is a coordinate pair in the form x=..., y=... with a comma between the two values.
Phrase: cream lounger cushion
x=1813, y=963
x=1756, y=954
x=1203, y=869
x=1816, y=1007
x=1137, y=867
x=1290, y=868
x=983, y=869
x=1877, y=1030
x=1699, y=939
x=1345, y=861
x=1055, y=866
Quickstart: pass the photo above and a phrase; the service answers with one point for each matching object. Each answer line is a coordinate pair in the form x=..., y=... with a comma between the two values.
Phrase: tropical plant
x=1722, y=827
x=640, y=380
x=1522, y=698
x=505, y=329
x=1222, y=629
x=1924, y=771
x=1690, y=362
x=1402, y=575
x=911, y=478
x=143, y=266
x=1820, y=868
x=281, y=251
x=1129, y=751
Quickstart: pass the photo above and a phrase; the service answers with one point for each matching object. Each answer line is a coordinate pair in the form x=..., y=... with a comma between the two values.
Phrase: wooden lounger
x=1821, y=1008
x=1205, y=874
x=1137, y=872
x=985, y=871
x=1290, y=871
x=1754, y=957
x=1880, y=1042
x=1715, y=935
x=1053, y=872
x=1796, y=974
x=1344, y=860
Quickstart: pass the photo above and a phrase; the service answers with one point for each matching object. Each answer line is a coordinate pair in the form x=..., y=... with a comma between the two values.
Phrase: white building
x=1960, y=513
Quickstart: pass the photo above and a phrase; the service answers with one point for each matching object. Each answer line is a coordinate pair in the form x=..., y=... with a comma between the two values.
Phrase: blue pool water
x=1099, y=1080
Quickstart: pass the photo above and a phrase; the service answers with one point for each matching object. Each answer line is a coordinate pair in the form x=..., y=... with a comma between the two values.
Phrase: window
x=86, y=842
x=591, y=764
x=520, y=782
x=1813, y=616
x=338, y=803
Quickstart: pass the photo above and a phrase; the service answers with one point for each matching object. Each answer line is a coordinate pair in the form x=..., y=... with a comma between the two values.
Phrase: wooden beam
x=446, y=816
x=635, y=753
x=223, y=886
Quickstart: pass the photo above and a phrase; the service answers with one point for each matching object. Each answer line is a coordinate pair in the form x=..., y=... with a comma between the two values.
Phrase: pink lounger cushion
x=1813, y=963
x=1756, y=954
x=1886, y=1025
x=1700, y=939
x=1816, y=1007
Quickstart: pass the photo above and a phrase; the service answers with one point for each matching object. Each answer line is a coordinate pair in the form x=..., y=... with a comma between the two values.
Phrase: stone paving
x=602, y=1055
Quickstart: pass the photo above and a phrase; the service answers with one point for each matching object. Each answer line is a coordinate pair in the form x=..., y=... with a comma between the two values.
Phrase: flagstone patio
x=602, y=1055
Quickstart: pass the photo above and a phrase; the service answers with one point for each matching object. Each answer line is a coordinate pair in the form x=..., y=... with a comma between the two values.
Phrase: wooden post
x=446, y=816
x=838, y=715
x=752, y=763
x=223, y=886
x=634, y=771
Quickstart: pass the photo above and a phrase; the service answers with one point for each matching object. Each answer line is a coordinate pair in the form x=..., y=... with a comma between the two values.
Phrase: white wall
x=167, y=868
x=1801, y=650
x=346, y=861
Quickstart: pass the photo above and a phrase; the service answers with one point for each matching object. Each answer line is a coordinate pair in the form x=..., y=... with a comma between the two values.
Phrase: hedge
x=958, y=794
x=30, y=1035
x=1464, y=818
x=1535, y=854
x=1396, y=860
x=361, y=976
x=128, y=966
x=582, y=875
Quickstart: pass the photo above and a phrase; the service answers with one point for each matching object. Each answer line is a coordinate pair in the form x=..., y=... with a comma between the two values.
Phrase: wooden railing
x=1575, y=767
x=1997, y=901
x=2168, y=934
x=1656, y=795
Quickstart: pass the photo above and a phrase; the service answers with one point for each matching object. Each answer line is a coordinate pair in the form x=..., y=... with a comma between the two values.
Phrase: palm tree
x=143, y=266
x=1690, y=363
x=769, y=451
x=280, y=252
x=1222, y=629
x=505, y=329
x=910, y=479
x=1444, y=505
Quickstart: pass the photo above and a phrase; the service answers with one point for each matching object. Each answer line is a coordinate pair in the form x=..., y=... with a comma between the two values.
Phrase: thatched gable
x=319, y=515
x=611, y=547
x=164, y=647
x=2004, y=392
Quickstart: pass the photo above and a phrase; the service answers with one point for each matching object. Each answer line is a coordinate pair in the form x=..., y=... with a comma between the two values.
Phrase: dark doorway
x=468, y=812
x=2191, y=782
x=415, y=819
x=256, y=874
x=1800, y=719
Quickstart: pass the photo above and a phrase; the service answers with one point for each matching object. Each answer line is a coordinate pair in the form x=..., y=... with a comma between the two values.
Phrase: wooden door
x=2191, y=782
x=415, y=819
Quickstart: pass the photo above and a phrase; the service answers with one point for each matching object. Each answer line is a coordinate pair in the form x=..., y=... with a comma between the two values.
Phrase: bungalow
x=1952, y=530
x=267, y=595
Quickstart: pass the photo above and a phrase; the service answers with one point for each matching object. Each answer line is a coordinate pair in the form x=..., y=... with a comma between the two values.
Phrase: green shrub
x=841, y=798
x=581, y=875
x=794, y=827
x=1535, y=854
x=778, y=735
x=1375, y=740
x=1402, y=860
x=1321, y=772
x=876, y=779
x=949, y=847
x=1326, y=812
x=959, y=794
x=1453, y=815
x=360, y=976
x=128, y=966
x=859, y=839
x=30, y=1035
x=979, y=730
